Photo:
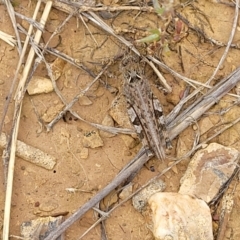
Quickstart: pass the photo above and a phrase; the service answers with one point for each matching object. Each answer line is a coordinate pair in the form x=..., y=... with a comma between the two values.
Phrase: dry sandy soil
x=41, y=192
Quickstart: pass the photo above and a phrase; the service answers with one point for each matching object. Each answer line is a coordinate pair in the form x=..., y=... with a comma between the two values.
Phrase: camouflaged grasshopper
x=144, y=109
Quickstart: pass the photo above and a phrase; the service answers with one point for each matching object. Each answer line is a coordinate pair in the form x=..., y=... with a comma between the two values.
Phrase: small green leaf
x=157, y=7
x=160, y=11
x=150, y=38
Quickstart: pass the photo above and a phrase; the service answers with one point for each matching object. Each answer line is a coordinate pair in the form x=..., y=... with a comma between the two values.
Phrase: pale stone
x=107, y=121
x=174, y=168
x=109, y=200
x=92, y=140
x=52, y=112
x=39, y=85
x=129, y=141
x=195, y=127
x=229, y=59
x=84, y=153
x=84, y=101
x=208, y=171
x=229, y=137
x=177, y=216
x=182, y=149
x=126, y=192
x=118, y=112
x=41, y=227
x=205, y=124
x=140, y=199
x=57, y=68
x=48, y=206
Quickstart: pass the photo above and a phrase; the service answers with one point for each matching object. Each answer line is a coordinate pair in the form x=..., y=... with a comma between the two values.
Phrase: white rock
x=84, y=153
x=140, y=199
x=180, y=217
x=84, y=101
x=39, y=85
x=208, y=171
x=126, y=192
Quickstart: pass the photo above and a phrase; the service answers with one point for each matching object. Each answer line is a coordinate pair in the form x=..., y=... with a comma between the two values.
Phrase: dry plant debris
x=184, y=46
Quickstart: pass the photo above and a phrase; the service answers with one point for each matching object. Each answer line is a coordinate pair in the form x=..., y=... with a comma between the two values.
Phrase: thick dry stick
x=200, y=106
x=16, y=121
x=193, y=112
x=18, y=67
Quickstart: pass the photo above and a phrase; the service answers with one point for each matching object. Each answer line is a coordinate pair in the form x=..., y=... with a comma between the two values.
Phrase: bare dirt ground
x=39, y=192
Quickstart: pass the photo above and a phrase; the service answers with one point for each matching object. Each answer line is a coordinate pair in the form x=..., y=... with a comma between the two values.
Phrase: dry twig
x=13, y=19
x=14, y=132
x=18, y=67
x=7, y=38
